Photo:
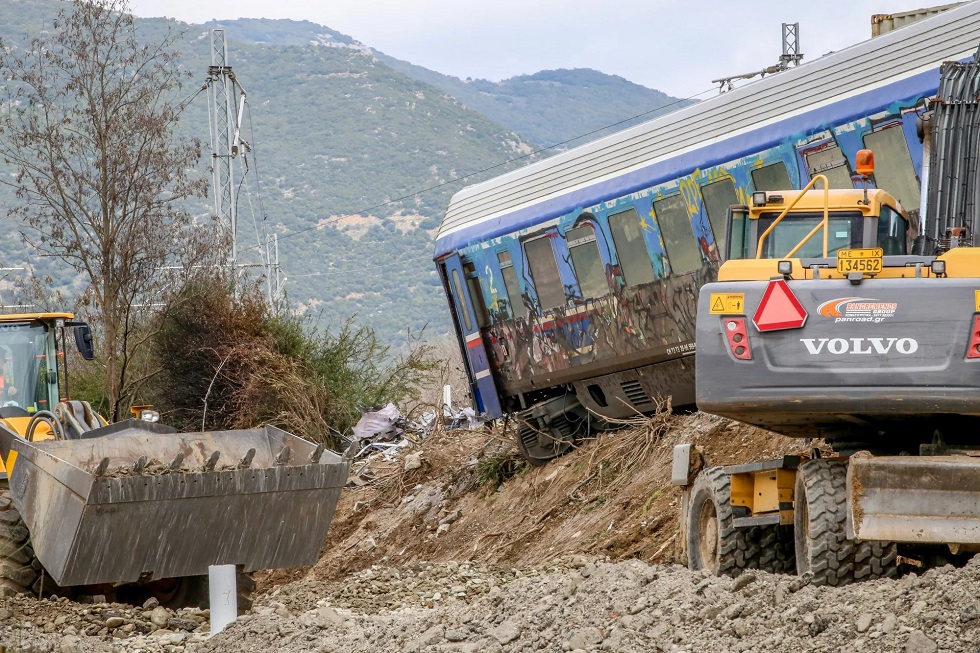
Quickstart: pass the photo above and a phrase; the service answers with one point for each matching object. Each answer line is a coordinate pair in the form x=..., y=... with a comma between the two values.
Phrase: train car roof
x=626, y=161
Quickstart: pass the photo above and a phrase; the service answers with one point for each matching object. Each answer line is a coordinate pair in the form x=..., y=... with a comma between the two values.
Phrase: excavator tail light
x=973, y=351
x=738, y=337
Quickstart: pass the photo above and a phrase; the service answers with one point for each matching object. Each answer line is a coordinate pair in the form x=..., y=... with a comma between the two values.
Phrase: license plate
x=865, y=261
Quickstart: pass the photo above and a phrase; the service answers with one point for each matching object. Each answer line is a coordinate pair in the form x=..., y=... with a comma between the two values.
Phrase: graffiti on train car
x=532, y=332
x=655, y=318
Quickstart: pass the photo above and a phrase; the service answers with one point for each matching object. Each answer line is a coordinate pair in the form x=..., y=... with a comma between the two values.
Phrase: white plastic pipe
x=447, y=400
x=223, y=591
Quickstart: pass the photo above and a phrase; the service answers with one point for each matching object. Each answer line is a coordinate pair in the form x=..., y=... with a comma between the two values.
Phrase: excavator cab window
x=893, y=232
x=845, y=232
x=738, y=232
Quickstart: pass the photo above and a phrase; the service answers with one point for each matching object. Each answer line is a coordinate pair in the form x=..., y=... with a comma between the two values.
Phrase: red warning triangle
x=779, y=309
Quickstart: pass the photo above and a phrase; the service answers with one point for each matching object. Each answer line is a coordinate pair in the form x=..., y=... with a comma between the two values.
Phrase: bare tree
x=102, y=178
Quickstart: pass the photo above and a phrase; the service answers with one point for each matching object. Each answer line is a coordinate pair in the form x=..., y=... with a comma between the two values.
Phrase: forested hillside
x=355, y=155
x=553, y=106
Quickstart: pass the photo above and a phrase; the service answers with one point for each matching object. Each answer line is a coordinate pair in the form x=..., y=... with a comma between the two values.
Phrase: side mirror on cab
x=83, y=341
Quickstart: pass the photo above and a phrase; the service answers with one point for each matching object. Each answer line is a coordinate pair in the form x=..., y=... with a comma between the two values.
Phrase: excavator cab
x=789, y=225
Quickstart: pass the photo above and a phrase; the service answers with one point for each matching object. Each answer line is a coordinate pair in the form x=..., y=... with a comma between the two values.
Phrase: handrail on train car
x=824, y=224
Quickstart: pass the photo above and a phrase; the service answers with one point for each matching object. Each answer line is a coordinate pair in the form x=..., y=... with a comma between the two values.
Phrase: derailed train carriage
x=573, y=281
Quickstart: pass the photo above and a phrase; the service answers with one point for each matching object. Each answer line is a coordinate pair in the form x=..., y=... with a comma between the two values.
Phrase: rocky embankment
x=573, y=605
x=63, y=626
x=581, y=606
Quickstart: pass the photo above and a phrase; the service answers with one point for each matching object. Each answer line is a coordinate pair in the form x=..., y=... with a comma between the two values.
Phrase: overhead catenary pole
x=279, y=278
x=225, y=93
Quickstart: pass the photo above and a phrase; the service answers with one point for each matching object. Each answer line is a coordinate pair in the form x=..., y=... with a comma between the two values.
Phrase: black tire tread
x=835, y=560
x=777, y=549
x=19, y=568
x=738, y=548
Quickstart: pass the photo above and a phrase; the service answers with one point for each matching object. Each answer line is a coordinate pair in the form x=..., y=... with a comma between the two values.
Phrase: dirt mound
x=610, y=497
x=58, y=624
x=456, y=545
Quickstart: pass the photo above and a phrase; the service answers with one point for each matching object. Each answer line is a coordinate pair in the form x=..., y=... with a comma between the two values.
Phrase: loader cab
x=31, y=364
x=28, y=371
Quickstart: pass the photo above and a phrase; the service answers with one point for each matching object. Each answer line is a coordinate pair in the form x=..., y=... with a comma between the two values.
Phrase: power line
x=321, y=223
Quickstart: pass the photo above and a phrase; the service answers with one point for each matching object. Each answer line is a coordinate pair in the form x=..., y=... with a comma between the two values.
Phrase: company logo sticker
x=857, y=309
x=906, y=346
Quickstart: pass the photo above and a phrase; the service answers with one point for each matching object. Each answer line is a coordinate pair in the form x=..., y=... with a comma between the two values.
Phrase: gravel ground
x=580, y=606
x=575, y=604
x=63, y=626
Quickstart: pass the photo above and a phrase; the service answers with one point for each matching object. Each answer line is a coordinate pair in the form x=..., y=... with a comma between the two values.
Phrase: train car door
x=468, y=327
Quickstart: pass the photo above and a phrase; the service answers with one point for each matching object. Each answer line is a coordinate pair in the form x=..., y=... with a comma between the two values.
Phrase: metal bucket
x=915, y=499
x=95, y=519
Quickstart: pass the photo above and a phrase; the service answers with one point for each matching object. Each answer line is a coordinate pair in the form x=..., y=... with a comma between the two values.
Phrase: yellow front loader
x=106, y=506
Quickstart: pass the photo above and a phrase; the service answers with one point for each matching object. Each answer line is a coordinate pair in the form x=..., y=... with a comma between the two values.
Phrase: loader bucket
x=96, y=516
x=915, y=499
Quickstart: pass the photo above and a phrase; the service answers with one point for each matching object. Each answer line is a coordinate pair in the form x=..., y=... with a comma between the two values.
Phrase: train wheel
x=539, y=446
x=187, y=591
x=713, y=542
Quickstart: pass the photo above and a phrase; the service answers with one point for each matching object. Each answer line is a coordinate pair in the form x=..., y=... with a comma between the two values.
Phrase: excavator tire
x=713, y=543
x=822, y=547
x=777, y=549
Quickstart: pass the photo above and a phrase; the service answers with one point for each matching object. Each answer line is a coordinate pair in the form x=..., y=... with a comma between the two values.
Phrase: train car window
x=718, y=196
x=587, y=262
x=831, y=163
x=675, y=226
x=634, y=259
x=771, y=177
x=515, y=303
x=894, y=171
x=461, y=300
x=544, y=273
x=476, y=295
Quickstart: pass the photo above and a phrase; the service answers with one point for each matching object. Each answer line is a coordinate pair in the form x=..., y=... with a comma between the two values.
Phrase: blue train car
x=573, y=281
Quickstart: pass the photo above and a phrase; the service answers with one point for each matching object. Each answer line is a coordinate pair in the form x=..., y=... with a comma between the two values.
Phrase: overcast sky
x=676, y=46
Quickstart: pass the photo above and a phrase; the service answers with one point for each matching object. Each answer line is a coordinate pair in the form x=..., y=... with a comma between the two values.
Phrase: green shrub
x=229, y=362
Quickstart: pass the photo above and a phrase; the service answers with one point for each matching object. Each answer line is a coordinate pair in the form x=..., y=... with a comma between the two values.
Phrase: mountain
x=355, y=155
x=553, y=106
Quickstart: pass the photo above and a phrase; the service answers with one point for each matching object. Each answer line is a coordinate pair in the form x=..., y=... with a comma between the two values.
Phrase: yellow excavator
x=115, y=508
x=837, y=317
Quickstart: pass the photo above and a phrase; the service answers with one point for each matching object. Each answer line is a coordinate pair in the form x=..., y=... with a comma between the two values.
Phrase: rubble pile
x=424, y=559
x=581, y=606
x=575, y=604
x=59, y=625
